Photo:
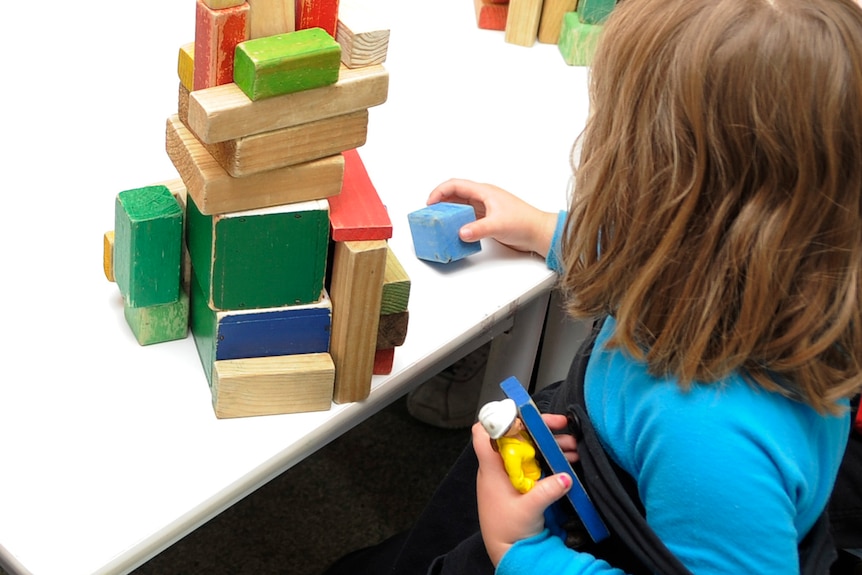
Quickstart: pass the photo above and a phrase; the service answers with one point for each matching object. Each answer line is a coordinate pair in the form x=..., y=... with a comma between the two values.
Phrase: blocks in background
x=551, y=21
x=491, y=15
x=357, y=212
x=217, y=33
x=317, y=14
x=522, y=22
x=186, y=66
x=363, y=38
x=595, y=11
x=271, y=17
x=578, y=41
x=161, y=322
x=435, y=232
x=396, y=286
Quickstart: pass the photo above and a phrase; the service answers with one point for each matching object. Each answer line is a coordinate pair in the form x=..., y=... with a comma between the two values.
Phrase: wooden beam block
x=286, y=63
x=357, y=212
x=491, y=15
x=272, y=385
x=396, y=286
x=186, y=66
x=217, y=33
x=225, y=112
x=551, y=21
x=293, y=145
x=578, y=41
x=357, y=286
x=271, y=17
x=108, y=255
x=522, y=22
x=215, y=191
x=148, y=229
x=384, y=360
x=270, y=257
x=435, y=232
x=317, y=14
x=392, y=329
x=364, y=39
x=595, y=11
x=161, y=322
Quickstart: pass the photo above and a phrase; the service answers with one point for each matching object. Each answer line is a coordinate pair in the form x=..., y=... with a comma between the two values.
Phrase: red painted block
x=357, y=213
x=383, y=360
x=317, y=14
x=491, y=14
x=217, y=32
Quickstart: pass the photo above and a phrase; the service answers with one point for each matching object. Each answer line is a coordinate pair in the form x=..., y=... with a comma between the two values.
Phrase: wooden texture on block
x=186, y=66
x=159, y=323
x=363, y=38
x=108, y=255
x=392, y=329
x=293, y=145
x=286, y=63
x=578, y=41
x=551, y=21
x=215, y=191
x=226, y=113
x=491, y=15
x=396, y=286
x=217, y=33
x=220, y=4
x=595, y=11
x=271, y=17
x=383, y=361
x=317, y=14
x=272, y=385
x=522, y=22
x=357, y=286
x=357, y=212
x=270, y=257
x=435, y=232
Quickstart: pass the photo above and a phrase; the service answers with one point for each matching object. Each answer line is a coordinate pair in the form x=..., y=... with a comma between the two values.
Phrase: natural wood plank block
x=272, y=385
x=215, y=191
x=225, y=112
x=108, y=255
x=491, y=15
x=595, y=11
x=186, y=66
x=522, y=22
x=357, y=213
x=578, y=41
x=317, y=14
x=271, y=17
x=357, y=286
x=221, y=4
x=292, y=145
x=269, y=257
x=148, y=228
x=392, y=329
x=396, y=286
x=217, y=33
x=159, y=323
x=384, y=360
x=364, y=39
x=286, y=63
x=551, y=21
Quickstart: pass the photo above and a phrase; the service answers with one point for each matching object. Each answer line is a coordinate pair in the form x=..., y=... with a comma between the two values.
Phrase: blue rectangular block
x=435, y=232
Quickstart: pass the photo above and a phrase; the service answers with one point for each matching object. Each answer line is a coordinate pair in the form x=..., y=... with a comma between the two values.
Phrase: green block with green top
x=595, y=11
x=578, y=41
x=286, y=63
x=161, y=322
x=268, y=257
x=148, y=234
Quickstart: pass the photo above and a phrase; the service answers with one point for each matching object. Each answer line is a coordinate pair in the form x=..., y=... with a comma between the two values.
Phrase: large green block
x=286, y=63
x=578, y=41
x=148, y=233
x=595, y=11
x=161, y=322
x=268, y=257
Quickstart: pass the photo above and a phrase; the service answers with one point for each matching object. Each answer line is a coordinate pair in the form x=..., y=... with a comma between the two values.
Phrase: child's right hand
x=499, y=215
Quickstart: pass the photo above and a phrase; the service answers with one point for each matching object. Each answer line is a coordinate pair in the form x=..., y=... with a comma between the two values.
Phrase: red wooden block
x=317, y=14
x=217, y=32
x=357, y=212
x=383, y=360
x=491, y=14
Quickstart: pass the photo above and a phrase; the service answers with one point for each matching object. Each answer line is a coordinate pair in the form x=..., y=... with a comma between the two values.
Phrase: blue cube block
x=435, y=232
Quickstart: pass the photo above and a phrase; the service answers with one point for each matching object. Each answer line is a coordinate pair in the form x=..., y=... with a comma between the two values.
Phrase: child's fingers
x=547, y=491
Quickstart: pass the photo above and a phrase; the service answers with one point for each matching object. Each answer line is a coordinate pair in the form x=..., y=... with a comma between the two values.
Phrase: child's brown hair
x=717, y=212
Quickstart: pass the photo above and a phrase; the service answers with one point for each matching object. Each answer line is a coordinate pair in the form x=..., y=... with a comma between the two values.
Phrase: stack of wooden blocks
x=292, y=294
x=574, y=25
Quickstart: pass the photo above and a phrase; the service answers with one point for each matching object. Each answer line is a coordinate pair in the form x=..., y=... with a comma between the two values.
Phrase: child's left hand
x=506, y=516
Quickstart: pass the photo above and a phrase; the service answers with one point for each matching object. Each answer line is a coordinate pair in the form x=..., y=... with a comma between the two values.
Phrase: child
x=716, y=223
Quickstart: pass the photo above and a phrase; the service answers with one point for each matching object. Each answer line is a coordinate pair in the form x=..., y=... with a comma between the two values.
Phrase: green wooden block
x=286, y=63
x=160, y=322
x=595, y=11
x=578, y=41
x=268, y=257
x=148, y=234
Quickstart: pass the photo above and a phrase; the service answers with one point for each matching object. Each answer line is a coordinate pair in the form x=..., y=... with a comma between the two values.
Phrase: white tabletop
x=110, y=451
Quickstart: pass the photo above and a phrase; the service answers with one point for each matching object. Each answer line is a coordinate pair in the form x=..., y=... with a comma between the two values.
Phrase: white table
x=110, y=452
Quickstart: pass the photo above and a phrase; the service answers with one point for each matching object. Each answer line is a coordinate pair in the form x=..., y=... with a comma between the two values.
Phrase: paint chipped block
x=358, y=213
x=148, y=235
x=286, y=63
x=435, y=232
x=595, y=11
x=186, y=66
x=317, y=14
x=161, y=322
x=384, y=359
x=108, y=255
x=578, y=41
x=217, y=32
x=396, y=286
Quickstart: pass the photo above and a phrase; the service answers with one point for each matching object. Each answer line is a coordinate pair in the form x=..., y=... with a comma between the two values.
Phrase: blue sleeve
x=546, y=553
x=552, y=260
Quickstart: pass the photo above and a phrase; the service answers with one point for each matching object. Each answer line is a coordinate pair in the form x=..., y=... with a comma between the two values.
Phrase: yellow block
x=108, y=255
x=186, y=65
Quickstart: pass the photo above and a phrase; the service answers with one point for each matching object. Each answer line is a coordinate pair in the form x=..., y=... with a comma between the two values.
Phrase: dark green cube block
x=148, y=232
x=268, y=257
x=595, y=11
x=286, y=63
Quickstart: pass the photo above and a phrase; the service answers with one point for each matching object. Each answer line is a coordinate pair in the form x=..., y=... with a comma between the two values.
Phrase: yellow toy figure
x=509, y=438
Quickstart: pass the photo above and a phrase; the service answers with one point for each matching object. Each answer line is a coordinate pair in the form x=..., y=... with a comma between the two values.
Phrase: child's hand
x=506, y=516
x=567, y=442
x=499, y=215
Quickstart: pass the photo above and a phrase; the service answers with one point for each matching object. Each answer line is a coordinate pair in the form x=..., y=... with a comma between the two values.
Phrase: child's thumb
x=550, y=489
